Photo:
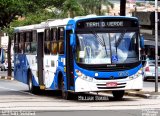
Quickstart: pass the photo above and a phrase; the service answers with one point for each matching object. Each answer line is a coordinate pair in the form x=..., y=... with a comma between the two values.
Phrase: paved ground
x=15, y=98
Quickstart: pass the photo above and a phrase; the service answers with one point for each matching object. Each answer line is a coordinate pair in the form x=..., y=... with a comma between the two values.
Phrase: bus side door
x=40, y=55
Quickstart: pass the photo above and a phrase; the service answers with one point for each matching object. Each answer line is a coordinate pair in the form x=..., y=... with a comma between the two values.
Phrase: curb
x=6, y=77
x=143, y=94
x=136, y=94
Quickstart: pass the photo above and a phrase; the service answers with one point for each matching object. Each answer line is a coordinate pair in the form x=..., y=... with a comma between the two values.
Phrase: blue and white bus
x=85, y=54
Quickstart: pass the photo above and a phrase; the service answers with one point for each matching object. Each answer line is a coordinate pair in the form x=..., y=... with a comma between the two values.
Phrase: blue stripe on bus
x=108, y=74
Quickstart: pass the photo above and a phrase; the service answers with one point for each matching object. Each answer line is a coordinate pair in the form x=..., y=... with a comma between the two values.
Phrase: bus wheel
x=118, y=94
x=32, y=88
x=65, y=94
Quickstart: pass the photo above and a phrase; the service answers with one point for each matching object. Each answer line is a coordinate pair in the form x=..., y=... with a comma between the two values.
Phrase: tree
x=12, y=9
x=94, y=6
x=9, y=10
x=34, y=11
x=72, y=8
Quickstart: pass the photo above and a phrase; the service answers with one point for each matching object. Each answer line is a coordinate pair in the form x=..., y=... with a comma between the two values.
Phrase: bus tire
x=65, y=94
x=33, y=89
x=118, y=94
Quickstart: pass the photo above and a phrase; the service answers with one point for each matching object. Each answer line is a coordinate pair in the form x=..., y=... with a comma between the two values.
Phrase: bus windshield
x=107, y=48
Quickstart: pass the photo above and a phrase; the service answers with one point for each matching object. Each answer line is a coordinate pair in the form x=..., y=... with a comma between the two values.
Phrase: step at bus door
x=40, y=56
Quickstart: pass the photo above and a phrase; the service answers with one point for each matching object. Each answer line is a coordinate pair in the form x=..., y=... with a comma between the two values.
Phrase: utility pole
x=122, y=7
x=156, y=45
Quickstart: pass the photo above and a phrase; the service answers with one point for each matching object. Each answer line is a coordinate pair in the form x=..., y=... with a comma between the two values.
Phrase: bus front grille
x=110, y=87
x=98, y=78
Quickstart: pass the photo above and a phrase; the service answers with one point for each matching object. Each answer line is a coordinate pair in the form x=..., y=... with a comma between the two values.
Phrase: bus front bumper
x=82, y=85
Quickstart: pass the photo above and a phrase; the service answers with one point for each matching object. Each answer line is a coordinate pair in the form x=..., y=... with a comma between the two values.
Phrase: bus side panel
x=20, y=68
x=59, y=69
x=50, y=66
x=32, y=65
x=22, y=64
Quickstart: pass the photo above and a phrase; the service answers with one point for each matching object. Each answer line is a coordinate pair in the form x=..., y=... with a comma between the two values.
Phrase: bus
x=81, y=54
x=2, y=56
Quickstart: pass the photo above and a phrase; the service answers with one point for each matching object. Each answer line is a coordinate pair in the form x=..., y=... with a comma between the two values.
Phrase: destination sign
x=104, y=24
x=107, y=23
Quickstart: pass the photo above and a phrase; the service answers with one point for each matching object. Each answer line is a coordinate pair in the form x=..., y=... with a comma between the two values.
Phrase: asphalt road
x=16, y=100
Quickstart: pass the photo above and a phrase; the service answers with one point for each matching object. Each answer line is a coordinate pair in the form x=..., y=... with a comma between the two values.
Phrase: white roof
x=58, y=22
x=42, y=25
x=29, y=27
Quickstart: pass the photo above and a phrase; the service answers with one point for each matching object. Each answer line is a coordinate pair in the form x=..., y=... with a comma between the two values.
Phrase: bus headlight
x=139, y=73
x=83, y=76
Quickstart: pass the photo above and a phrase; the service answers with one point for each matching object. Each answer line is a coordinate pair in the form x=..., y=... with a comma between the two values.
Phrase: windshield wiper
x=99, y=39
x=115, y=45
x=119, y=39
x=104, y=45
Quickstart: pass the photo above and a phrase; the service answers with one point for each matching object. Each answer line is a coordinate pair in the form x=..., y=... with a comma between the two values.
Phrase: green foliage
x=138, y=4
x=33, y=18
x=94, y=6
x=9, y=10
x=36, y=11
x=71, y=8
x=12, y=9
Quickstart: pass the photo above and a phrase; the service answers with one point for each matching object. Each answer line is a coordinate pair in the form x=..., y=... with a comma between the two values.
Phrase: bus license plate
x=111, y=84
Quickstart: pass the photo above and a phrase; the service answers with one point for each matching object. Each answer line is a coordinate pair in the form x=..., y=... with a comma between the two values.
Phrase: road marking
x=17, y=91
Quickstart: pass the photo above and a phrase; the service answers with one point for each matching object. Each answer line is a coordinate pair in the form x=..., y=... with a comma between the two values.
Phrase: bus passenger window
x=21, y=43
x=27, y=47
x=20, y=47
x=61, y=47
x=53, y=34
x=34, y=47
x=34, y=43
x=16, y=43
x=54, y=48
x=47, y=48
x=61, y=33
x=16, y=48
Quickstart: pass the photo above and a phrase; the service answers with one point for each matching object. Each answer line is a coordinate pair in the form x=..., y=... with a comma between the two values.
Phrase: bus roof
x=64, y=22
x=94, y=16
x=30, y=27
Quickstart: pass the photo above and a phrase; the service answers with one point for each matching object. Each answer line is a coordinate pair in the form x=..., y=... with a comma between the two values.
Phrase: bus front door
x=40, y=56
x=69, y=62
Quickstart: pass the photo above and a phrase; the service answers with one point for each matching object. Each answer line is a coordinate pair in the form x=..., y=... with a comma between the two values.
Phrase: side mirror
x=141, y=41
x=72, y=39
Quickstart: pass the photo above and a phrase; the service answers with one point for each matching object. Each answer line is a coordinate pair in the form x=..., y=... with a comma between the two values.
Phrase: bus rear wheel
x=33, y=89
x=118, y=94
